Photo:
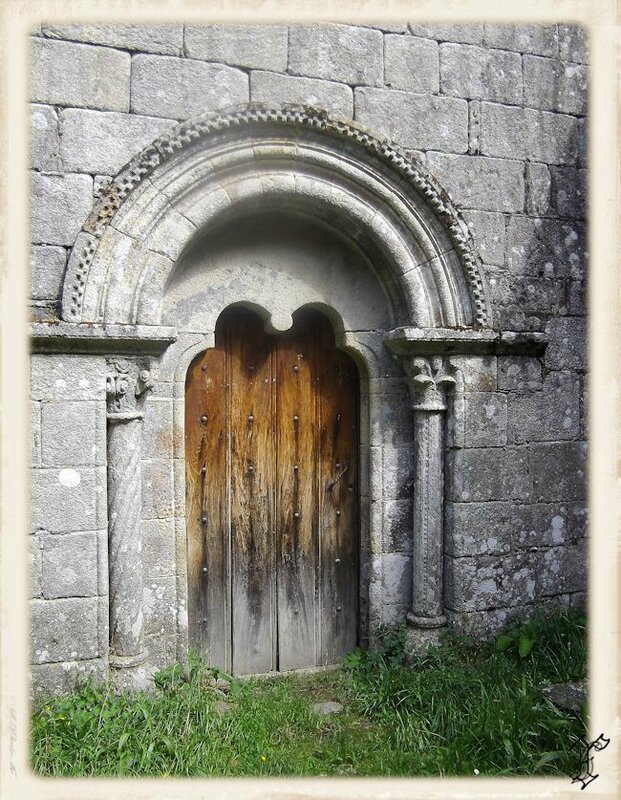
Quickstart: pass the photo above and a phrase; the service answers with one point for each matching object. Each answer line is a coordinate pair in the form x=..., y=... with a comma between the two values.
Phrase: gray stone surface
x=158, y=548
x=558, y=471
x=542, y=525
x=568, y=191
x=157, y=489
x=411, y=64
x=519, y=373
x=549, y=415
x=474, y=72
x=539, y=39
x=484, y=184
x=69, y=565
x=490, y=474
x=571, y=695
x=47, y=266
x=160, y=605
x=576, y=298
x=67, y=74
x=512, y=132
x=178, y=88
x=68, y=499
x=482, y=626
x=328, y=707
x=555, y=86
x=545, y=248
x=567, y=347
x=166, y=39
x=469, y=34
x=157, y=429
x=253, y=46
x=272, y=89
x=479, y=528
x=562, y=569
x=492, y=581
x=396, y=578
x=103, y=142
x=398, y=525
x=35, y=434
x=35, y=563
x=337, y=52
x=64, y=629
x=486, y=419
x=538, y=184
x=573, y=43
x=412, y=120
x=63, y=676
x=73, y=434
x=44, y=142
x=477, y=372
x=67, y=377
x=59, y=206
x=543, y=296
x=488, y=231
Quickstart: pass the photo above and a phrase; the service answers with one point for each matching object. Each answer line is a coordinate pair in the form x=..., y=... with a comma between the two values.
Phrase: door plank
x=207, y=515
x=339, y=505
x=296, y=498
x=252, y=479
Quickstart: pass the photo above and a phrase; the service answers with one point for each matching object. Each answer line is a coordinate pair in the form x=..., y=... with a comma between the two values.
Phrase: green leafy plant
x=518, y=637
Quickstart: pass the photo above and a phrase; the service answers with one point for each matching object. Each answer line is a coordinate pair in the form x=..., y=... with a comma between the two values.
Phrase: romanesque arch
x=152, y=243
x=214, y=167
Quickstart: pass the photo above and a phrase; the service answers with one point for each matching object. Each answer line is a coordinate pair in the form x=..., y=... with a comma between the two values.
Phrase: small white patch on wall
x=69, y=478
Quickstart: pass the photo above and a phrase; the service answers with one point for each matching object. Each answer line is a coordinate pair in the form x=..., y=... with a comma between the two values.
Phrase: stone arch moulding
x=209, y=168
x=215, y=170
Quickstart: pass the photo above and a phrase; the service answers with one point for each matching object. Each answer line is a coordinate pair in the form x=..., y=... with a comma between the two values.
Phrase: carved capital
x=429, y=380
x=126, y=382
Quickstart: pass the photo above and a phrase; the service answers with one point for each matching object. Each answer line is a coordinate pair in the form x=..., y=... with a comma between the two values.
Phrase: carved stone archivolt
x=218, y=164
x=126, y=384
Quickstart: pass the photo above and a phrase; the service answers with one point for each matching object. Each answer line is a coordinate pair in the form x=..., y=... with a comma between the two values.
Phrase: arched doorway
x=271, y=435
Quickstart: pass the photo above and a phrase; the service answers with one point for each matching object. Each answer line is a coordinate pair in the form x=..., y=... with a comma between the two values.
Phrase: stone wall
x=497, y=114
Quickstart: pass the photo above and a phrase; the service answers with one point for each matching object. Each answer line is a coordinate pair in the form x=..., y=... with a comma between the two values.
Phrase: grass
x=458, y=709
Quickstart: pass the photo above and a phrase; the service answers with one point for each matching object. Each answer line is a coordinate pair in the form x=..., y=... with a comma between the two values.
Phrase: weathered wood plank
x=207, y=522
x=252, y=480
x=296, y=496
x=338, y=392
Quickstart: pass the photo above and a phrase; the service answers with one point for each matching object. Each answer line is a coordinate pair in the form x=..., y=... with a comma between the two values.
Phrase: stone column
x=429, y=381
x=125, y=383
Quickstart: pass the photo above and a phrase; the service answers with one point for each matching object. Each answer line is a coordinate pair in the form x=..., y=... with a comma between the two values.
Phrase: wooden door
x=272, y=496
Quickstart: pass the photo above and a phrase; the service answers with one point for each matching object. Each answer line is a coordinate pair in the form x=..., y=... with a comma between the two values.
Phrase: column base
x=425, y=622
x=129, y=673
x=419, y=640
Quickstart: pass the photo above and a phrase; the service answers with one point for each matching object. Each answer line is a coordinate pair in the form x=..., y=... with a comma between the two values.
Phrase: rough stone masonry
x=493, y=118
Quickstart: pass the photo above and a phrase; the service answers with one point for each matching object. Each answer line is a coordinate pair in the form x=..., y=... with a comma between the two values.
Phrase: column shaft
x=428, y=513
x=124, y=539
